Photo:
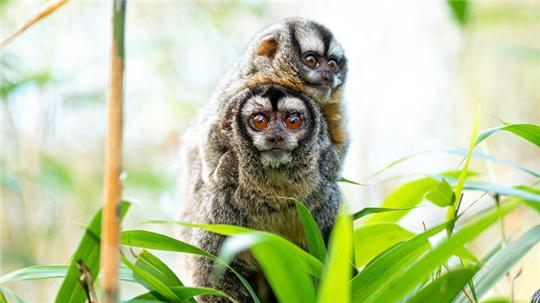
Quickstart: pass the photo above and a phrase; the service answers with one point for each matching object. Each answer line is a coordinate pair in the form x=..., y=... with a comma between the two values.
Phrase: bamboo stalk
x=113, y=159
x=47, y=10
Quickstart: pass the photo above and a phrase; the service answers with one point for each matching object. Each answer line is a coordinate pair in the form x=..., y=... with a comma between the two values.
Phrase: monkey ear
x=267, y=46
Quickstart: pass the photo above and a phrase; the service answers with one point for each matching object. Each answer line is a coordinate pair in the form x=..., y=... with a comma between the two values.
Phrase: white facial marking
x=291, y=104
x=255, y=104
x=309, y=40
x=335, y=49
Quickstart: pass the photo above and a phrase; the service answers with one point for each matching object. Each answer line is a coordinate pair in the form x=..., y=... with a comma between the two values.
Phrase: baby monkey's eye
x=293, y=121
x=332, y=65
x=259, y=121
x=311, y=61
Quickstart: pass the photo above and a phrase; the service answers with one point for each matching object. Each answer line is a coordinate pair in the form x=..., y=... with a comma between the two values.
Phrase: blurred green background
x=417, y=71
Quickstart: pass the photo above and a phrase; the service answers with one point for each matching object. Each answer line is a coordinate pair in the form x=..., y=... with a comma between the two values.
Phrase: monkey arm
x=229, y=282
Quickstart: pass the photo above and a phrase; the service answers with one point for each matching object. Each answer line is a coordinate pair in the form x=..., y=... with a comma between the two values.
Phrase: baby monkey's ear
x=267, y=46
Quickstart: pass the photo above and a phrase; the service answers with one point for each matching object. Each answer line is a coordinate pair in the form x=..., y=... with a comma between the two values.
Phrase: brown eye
x=259, y=121
x=332, y=65
x=293, y=121
x=311, y=61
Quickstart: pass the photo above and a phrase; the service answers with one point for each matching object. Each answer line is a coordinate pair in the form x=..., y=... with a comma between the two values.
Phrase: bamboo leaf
x=88, y=251
x=335, y=285
x=375, y=210
x=484, y=156
x=446, y=287
x=153, y=282
x=151, y=240
x=373, y=239
x=154, y=266
x=312, y=232
x=406, y=196
x=51, y=272
x=386, y=269
x=502, y=261
x=529, y=132
x=35, y=273
x=422, y=268
x=460, y=10
x=441, y=195
x=307, y=261
x=452, y=209
x=279, y=262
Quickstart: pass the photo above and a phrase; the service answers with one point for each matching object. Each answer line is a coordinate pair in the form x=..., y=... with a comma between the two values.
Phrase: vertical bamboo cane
x=113, y=158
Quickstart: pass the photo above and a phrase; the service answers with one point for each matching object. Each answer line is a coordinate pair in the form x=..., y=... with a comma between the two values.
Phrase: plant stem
x=47, y=10
x=113, y=159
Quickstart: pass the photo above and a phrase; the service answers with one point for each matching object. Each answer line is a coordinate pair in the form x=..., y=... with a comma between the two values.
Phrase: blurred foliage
x=460, y=10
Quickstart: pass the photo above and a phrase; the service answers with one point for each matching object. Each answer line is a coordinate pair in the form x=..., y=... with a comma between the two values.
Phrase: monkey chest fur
x=282, y=219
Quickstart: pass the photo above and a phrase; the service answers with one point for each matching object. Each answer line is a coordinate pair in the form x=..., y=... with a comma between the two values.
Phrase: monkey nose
x=275, y=140
x=327, y=76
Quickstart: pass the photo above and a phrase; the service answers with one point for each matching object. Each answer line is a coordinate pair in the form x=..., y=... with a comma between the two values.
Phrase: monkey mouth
x=275, y=157
x=320, y=86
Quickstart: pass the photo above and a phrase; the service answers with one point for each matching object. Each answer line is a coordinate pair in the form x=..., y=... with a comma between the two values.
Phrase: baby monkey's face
x=276, y=124
x=307, y=53
x=321, y=62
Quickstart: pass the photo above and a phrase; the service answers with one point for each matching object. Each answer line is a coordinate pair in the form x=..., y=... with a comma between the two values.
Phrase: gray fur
x=242, y=191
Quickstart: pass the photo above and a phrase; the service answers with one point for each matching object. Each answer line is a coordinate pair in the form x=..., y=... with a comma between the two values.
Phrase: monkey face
x=306, y=54
x=275, y=123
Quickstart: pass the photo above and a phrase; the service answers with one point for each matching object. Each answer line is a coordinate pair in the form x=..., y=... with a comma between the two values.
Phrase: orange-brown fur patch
x=267, y=47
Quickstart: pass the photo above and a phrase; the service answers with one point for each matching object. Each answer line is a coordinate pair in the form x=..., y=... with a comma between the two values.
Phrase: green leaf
x=502, y=261
x=497, y=300
x=441, y=195
x=484, y=156
x=279, y=262
x=452, y=209
x=386, y=269
x=446, y=287
x=223, y=229
x=307, y=261
x=151, y=281
x=343, y=180
x=402, y=159
x=151, y=240
x=532, y=196
x=6, y=293
x=529, y=132
x=532, y=204
x=406, y=196
x=460, y=10
x=335, y=285
x=184, y=293
x=2, y=297
x=154, y=266
x=72, y=290
x=53, y=271
x=467, y=255
x=314, y=238
x=372, y=239
x=424, y=267
x=35, y=273
x=375, y=210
